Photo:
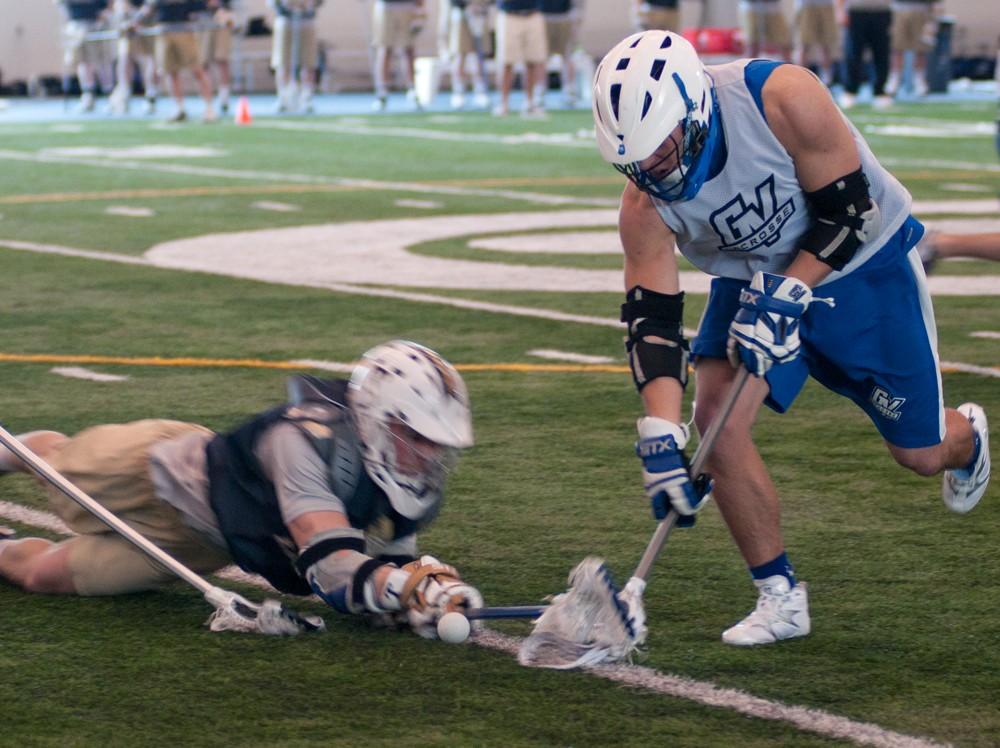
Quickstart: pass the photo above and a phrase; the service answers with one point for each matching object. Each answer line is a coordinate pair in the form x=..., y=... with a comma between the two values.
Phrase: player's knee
x=43, y=443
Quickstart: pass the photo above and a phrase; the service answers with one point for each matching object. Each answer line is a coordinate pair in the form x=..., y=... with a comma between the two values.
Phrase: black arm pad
x=846, y=217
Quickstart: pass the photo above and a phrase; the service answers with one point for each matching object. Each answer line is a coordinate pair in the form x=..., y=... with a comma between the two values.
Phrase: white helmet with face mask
x=649, y=88
x=411, y=409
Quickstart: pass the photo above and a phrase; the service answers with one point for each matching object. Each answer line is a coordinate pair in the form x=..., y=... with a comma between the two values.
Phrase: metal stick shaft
x=49, y=474
x=515, y=611
x=668, y=523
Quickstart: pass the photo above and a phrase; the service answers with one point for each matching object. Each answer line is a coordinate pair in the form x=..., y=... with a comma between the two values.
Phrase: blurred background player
x=911, y=32
x=940, y=245
x=817, y=38
x=79, y=55
x=867, y=23
x=562, y=26
x=657, y=14
x=216, y=48
x=177, y=50
x=468, y=36
x=134, y=50
x=765, y=29
x=520, y=41
x=295, y=53
x=393, y=25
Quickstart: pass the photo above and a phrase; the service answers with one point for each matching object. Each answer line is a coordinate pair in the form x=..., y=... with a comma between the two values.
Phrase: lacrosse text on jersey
x=748, y=222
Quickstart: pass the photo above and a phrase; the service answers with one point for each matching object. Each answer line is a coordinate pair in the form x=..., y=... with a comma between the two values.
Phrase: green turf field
x=904, y=594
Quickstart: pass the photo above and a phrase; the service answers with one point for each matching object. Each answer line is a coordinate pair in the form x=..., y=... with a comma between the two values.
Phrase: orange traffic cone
x=243, y=111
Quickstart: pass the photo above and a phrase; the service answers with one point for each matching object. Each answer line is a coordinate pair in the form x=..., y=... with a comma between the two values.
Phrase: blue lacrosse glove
x=765, y=330
x=666, y=473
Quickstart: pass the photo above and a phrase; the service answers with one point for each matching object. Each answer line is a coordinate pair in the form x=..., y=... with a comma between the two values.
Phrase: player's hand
x=765, y=330
x=432, y=590
x=665, y=470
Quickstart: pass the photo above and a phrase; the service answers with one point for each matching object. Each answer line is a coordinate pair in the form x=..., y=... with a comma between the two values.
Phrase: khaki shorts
x=283, y=45
x=392, y=24
x=521, y=39
x=767, y=28
x=215, y=46
x=142, y=45
x=110, y=463
x=461, y=41
x=177, y=52
x=816, y=26
x=908, y=30
x=560, y=34
x=654, y=17
x=77, y=51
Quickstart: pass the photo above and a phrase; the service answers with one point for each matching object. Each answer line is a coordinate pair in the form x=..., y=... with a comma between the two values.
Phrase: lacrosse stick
x=593, y=622
x=232, y=612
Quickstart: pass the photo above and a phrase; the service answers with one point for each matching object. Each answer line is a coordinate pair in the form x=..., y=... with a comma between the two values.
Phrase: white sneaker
x=882, y=102
x=380, y=103
x=413, y=100
x=962, y=490
x=781, y=613
x=846, y=100
x=87, y=102
x=892, y=84
x=481, y=100
x=457, y=101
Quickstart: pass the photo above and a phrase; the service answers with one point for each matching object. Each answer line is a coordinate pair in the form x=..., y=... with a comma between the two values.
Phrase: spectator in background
x=469, y=34
x=656, y=14
x=868, y=24
x=765, y=29
x=562, y=25
x=217, y=47
x=911, y=21
x=177, y=50
x=133, y=49
x=817, y=38
x=294, y=53
x=394, y=27
x=520, y=40
x=83, y=57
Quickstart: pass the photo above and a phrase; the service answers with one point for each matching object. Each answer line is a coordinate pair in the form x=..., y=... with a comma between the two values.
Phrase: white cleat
x=781, y=613
x=961, y=489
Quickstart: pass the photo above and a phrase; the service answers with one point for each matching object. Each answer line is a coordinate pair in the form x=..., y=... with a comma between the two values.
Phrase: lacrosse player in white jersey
x=323, y=494
x=752, y=172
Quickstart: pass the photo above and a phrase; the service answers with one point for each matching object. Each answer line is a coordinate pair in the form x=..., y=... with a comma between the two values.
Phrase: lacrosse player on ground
x=752, y=172
x=323, y=494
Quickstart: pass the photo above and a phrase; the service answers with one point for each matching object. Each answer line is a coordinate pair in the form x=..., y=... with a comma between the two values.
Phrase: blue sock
x=778, y=565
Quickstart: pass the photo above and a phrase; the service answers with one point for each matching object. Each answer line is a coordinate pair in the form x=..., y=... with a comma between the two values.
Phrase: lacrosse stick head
x=593, y=622
x=236, y=613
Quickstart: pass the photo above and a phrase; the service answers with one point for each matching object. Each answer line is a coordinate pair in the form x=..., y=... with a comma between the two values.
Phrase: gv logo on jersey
x=746, y=224
x=887, y=405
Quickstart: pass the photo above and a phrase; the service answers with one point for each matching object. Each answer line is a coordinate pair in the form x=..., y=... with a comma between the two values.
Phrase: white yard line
x=276, y=206
x=985, y=371
x=539, y=198
x=987, y=334
x=79, y=372
x=129, y=211
x=576, y=358
x=645, y=678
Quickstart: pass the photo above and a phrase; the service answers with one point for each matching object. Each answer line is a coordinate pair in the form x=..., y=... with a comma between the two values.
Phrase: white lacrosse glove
x=432, y=590
x=765, y=330
x=665, y=470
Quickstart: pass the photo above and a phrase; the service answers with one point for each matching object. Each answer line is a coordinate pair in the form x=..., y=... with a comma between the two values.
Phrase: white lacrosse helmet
x=403, y=384
x=646, y=87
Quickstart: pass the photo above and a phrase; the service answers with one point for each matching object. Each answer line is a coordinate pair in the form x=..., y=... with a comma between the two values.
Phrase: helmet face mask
x=653, y=97
x=411, y=409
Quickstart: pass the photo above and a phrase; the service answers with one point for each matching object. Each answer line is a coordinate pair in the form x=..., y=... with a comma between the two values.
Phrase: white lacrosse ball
x=453, y=628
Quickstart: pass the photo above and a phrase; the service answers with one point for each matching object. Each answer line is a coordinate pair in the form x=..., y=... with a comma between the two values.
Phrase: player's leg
x=37, y=565
x=42, y=443
x=744, y=492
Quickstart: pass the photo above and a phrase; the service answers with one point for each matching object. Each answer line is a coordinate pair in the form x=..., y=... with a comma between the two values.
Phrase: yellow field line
x=167, y=192
x=252, y=363
x=256, y=363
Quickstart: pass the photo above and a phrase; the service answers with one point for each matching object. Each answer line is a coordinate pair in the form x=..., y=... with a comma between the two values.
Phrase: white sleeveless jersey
x=750, y=216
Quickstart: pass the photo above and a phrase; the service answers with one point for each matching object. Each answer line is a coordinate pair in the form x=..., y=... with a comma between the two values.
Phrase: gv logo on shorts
x=887, y=405
x=745, y=224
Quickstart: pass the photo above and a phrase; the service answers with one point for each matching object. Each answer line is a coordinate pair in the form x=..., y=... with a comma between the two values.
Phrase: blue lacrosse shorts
x=877, y=346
